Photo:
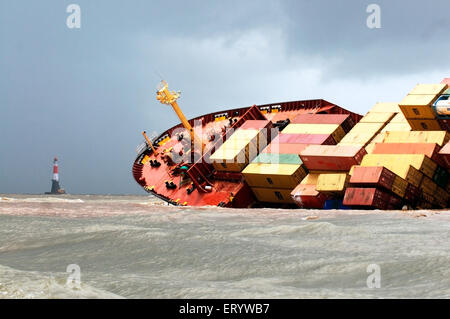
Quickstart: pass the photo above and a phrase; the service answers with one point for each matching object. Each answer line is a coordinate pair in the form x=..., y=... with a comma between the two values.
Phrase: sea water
x=90, y=246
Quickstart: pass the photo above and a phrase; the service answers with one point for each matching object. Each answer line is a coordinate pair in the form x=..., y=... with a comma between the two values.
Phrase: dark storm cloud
x=85, y=95
x=414, y=35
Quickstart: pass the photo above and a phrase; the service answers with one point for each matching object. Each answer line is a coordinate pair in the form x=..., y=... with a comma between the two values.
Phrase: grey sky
x=86, y=94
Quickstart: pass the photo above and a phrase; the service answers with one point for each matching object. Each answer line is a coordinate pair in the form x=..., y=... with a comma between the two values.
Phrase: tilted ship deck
x=307, y=153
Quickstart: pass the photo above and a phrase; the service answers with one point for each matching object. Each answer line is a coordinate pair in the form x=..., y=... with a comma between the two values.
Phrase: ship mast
x=165, y=96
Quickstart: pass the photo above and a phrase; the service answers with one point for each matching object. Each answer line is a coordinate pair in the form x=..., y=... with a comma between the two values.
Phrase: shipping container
x=306, y=196
x=366, y=197
x=441, y=197
x=376, y=176
x=399, y=186
x=431, y=89
x=382, y=107
x=278, y=158
x=333, y=129
x=396, y=127
x=256, y=125
x=395, y=202
x=285, y=148
x=344, y=120
x=273, y=175
x=402, y=169
x=332, y=157
x=332, y=183
x=283, y=138
x=273, y=195
x=361, y=134
x=429, y=149
x=428, y=186
x=424, y=125
x=230, y=160
x=375, y=117
x=310, y=179
x=419, y=161
x=441, y=176
x=438, y=137
x=412, y=195
x=399, y=118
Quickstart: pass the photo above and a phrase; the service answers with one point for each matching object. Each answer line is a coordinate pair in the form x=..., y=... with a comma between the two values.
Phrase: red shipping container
x=325, y=139
x=429, y=149
x=395, y=202
x=285, y=148
x=306, y=196
x=344, y=120
x=366, y=197
x=444, y=155
x=412, y=194
x=332, y=157
x=374, y=175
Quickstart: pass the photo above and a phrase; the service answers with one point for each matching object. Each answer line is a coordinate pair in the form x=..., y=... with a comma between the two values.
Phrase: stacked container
x=242, y=146
x=417, y=107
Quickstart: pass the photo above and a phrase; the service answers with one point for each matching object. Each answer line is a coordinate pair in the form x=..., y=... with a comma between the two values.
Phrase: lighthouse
x=56, y=189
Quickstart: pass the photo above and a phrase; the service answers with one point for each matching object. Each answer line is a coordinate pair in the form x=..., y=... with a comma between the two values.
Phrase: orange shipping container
x=424, y=125
x=429, y=149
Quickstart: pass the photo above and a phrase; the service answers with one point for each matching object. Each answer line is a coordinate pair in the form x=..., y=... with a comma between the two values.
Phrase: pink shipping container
x=332, y=157
x=324, y=139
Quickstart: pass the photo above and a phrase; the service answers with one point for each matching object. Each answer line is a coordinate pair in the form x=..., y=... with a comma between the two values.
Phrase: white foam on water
x=18, y=284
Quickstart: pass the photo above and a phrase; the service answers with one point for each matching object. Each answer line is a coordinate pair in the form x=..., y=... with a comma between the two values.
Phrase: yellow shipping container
x=273, y=195
x=428, y=186
x=333, y=129
x=366, y=127
x=424, y=125
x=382, y=107
x=418, y=106
x=310, y=179
x=417, y=100
x=431, y=89
x=438, y=137
x=361, y=134
x=399, y=118
x=230, y=160
x=441, y=197
x=375, y=117
x=256, y=137
x=405, y=127
x=399, y=186
x=332, y=183
x=419, y=161
x=274, y=175
x=418, y=112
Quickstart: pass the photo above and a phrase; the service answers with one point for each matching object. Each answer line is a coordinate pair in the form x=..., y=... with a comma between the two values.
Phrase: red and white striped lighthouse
x=55, y=169
x=56, y=189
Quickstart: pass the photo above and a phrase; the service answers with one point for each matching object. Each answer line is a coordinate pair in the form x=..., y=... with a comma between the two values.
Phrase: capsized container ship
x=307, y=153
